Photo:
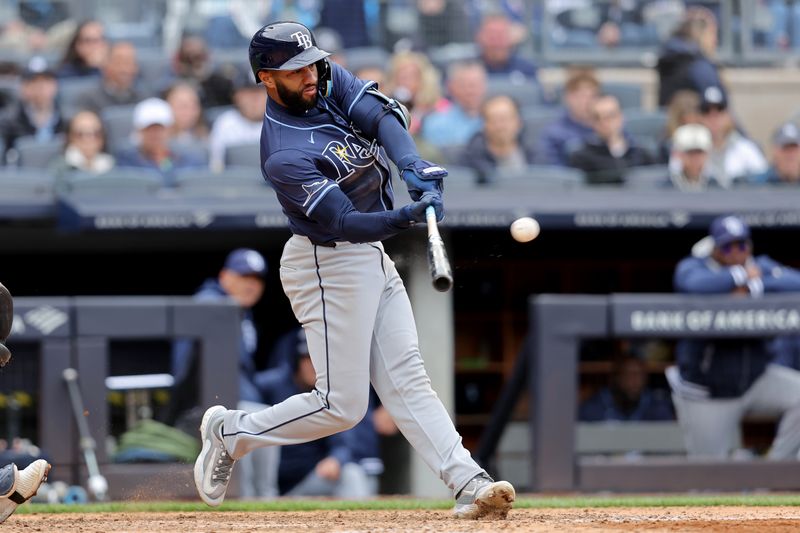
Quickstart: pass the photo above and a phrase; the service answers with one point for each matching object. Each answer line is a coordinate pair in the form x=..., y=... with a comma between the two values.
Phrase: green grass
x=543, y=502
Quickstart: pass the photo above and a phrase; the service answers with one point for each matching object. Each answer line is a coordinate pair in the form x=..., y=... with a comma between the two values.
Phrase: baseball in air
x=525, y=229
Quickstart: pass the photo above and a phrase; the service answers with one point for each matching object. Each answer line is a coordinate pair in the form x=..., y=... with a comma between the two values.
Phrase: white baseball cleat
x=26, y=484
x=212, y=469
x=484, y=497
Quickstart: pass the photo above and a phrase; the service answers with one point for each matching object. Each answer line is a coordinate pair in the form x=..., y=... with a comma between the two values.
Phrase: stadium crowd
x=77, y=102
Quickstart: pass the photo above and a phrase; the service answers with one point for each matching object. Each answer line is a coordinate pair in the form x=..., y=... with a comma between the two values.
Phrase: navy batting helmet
x=288, y=46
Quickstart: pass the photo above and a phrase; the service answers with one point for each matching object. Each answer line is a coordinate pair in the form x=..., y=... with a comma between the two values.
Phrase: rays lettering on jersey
x=350, y=154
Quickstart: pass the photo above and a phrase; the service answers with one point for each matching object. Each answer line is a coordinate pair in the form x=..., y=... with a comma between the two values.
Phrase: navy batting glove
x=416, y=211
x=422, y=176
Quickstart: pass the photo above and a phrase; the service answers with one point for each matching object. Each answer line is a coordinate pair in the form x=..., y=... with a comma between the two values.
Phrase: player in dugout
x=16, y=486
x=324, y=149
x=720, y=381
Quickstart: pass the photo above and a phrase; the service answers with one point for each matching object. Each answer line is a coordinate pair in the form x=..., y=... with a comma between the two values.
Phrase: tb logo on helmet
x=302, y=39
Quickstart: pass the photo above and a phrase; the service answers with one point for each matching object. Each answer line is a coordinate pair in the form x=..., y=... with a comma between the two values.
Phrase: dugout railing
x=559, y=324
x=77, y=332
x=548, y=367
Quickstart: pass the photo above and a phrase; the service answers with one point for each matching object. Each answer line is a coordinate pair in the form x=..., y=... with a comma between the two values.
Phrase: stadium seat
x=153, y=67
x=245, y=155
x=535, y=119
x=451, y=154
x=366, y=56
x=21, y=182
x=539, y=176
x=232, y=181
x=460, y=177
x=38, y=154
x=116, y=181
x=628, y=94
x=647, y=177
x=118, y=121
x=213, y=112
x=525, y=94
x=70, y=89
x=646, y=124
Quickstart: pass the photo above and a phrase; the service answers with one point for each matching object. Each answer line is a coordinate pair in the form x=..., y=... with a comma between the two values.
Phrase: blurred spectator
x=241, y=125
x=610, y=24
x=374, y=73
x=152, y=119
x=322, y=467
x=721, y=381
x=190, y=127
x=330, y=40
x=689, y=168
x=466, y=85
x=684, y=108
x=192, y=63
x=497, y=49
x=22, y=38
x=87, y=51
x=85, y=146
x=499, y=146
x=118, y=83
x=627, y=398
x=349, y=18
x=686, y=59
x=413, y=80
x=363, y=440
x=785, y=166
x=606, y=156
x=442, y=22
x=36, y=113
x=569, y=132
x=734, y=157
x=240, y=279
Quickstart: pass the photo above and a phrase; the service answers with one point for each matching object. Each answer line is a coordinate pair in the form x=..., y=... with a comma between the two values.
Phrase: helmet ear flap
x=324, y=77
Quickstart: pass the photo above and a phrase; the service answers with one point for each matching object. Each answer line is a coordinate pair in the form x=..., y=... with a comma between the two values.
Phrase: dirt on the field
x=706, y=519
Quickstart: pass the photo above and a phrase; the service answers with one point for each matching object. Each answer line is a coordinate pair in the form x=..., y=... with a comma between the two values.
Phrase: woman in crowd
x=190, y=126
x=84, y=148
x=86, y=52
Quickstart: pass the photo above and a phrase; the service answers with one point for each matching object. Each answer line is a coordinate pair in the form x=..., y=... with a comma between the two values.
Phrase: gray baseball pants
x=712, y=426
x=360, y=329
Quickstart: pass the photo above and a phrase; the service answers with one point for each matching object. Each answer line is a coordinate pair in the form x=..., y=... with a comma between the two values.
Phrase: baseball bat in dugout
x=441, y=274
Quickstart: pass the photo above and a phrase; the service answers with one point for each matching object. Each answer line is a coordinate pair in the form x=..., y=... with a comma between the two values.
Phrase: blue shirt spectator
x=455, y=125
x=627, y=398
x=37, y=113
x=568, y=133
x=322, y=467
x=685, y=61
x=497, y=40
x=785, y=167
x=727, y=368
x=151, y=119
x=242, y=280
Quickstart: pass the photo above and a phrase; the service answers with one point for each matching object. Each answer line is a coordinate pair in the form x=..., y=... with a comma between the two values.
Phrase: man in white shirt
x=241, y=125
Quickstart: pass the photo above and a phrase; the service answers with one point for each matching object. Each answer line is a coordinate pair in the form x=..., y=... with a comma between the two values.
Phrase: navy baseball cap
x=727, y=229
x=246, y=262
x=786, y=135
x=713, y=97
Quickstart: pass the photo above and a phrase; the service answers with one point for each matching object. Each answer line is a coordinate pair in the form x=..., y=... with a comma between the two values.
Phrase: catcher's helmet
x=288, y=46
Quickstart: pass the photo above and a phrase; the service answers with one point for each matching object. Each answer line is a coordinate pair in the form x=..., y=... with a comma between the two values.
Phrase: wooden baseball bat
x=441, y=274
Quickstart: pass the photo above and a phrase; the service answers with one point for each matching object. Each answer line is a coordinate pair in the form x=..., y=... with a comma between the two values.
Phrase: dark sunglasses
x=735, y=245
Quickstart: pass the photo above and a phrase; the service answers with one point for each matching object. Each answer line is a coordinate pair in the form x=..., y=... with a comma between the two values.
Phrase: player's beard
x=295, y=101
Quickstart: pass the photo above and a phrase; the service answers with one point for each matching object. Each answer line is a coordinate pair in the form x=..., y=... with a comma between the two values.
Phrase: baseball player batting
x=324, y=147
